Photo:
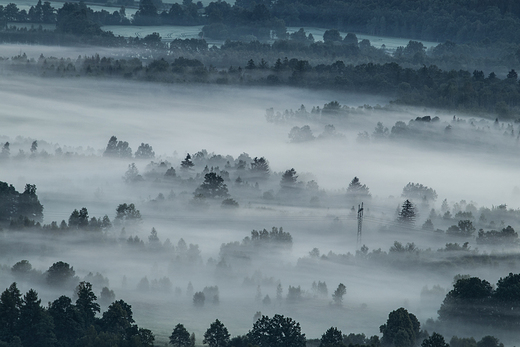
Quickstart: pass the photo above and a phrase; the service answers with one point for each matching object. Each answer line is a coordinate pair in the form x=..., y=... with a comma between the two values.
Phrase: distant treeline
x=428, y=86
x=441, y=20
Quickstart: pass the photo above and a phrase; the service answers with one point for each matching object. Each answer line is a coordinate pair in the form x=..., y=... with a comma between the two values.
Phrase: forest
x=275, y=178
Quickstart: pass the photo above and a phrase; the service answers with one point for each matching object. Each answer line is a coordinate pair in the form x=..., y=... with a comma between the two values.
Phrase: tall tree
x=260, y=168
x=35, y=326
x=357, y=191
x=212, y=187
x=180, y=337
x=60, y=274
x=332, y=338
x=337, y=297
x=407, y=215
x=278, y=331
x=217, y=335
x=401, y=329
x=10, y=303
x=86, y=303
x=436, y=340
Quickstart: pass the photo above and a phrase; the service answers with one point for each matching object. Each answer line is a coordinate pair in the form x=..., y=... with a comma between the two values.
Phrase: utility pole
x=359, y=223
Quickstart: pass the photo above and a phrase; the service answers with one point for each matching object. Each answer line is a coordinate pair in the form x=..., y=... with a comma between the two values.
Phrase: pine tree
x=407, y=215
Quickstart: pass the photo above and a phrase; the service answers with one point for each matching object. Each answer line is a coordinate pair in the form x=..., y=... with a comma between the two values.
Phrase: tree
x=419, y=192
x=198, y=299
x=302, y=134
x=401, y=329
x=332, y=338
x=357, y=191
x=28, y=204
x=436, y=340
x=118, y=318
x=10, y=303
x=337, y=297
x=132, y=174
x=127, y=212
x=180, y=337
x=278, y=331
x=34, y=147
x=147, y=13
x=350, y=39
x=35, y=324
x=118, y=149
x=86, y=303
x=6, y=152
x=60, y=274
x=289, y=181
x=331, y=36
x=217, y=335
x=144, y=151
x=260, y=168
x=407, y=214
x=67, y=322
x=106, y=296
x=187, y=164
x=513, y=75
x=79, y=219
x=212, y=187
x=469, y=300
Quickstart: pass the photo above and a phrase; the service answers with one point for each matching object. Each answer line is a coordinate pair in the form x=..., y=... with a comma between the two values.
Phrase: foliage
x=60, y=274
x=357, y=191
x=180, y=337
x=436, y=340
x=507, y=235
x=25, y=321
x=407, y=215
x=419, y=192
x=127, y=212
x=401, y=329
x=14, y=204
x=217, y=335
x=278, y=331
x=337, y=297
x=118, y=149
x=302, y=134
x=212, y=187
x=331, y=338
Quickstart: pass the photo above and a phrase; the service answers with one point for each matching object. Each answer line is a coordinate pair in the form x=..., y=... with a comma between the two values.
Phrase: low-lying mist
x=200, y=241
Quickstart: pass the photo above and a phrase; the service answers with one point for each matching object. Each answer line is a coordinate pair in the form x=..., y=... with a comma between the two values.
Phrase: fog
x=80, y=115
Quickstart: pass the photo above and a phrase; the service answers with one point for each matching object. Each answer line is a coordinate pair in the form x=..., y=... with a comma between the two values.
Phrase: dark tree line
x=24, y=321
x=15, y=205
x=473, y=300
x=427, y=86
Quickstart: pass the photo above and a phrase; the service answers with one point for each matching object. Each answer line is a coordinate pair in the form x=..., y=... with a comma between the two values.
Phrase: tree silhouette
x=217, y=335
x=331, y=338
x=278, y=331
x=212, y=187
x=407, y=214
x=180, y=337
x=337, y=297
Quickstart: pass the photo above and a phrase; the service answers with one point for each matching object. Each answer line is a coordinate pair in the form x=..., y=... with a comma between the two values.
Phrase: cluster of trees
x=121, y=149
x=14, y=205
x=464, y=21
x=454, y=255
x=25, y=322
x=474, y=301
x=260, y=241
x=487, y=21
